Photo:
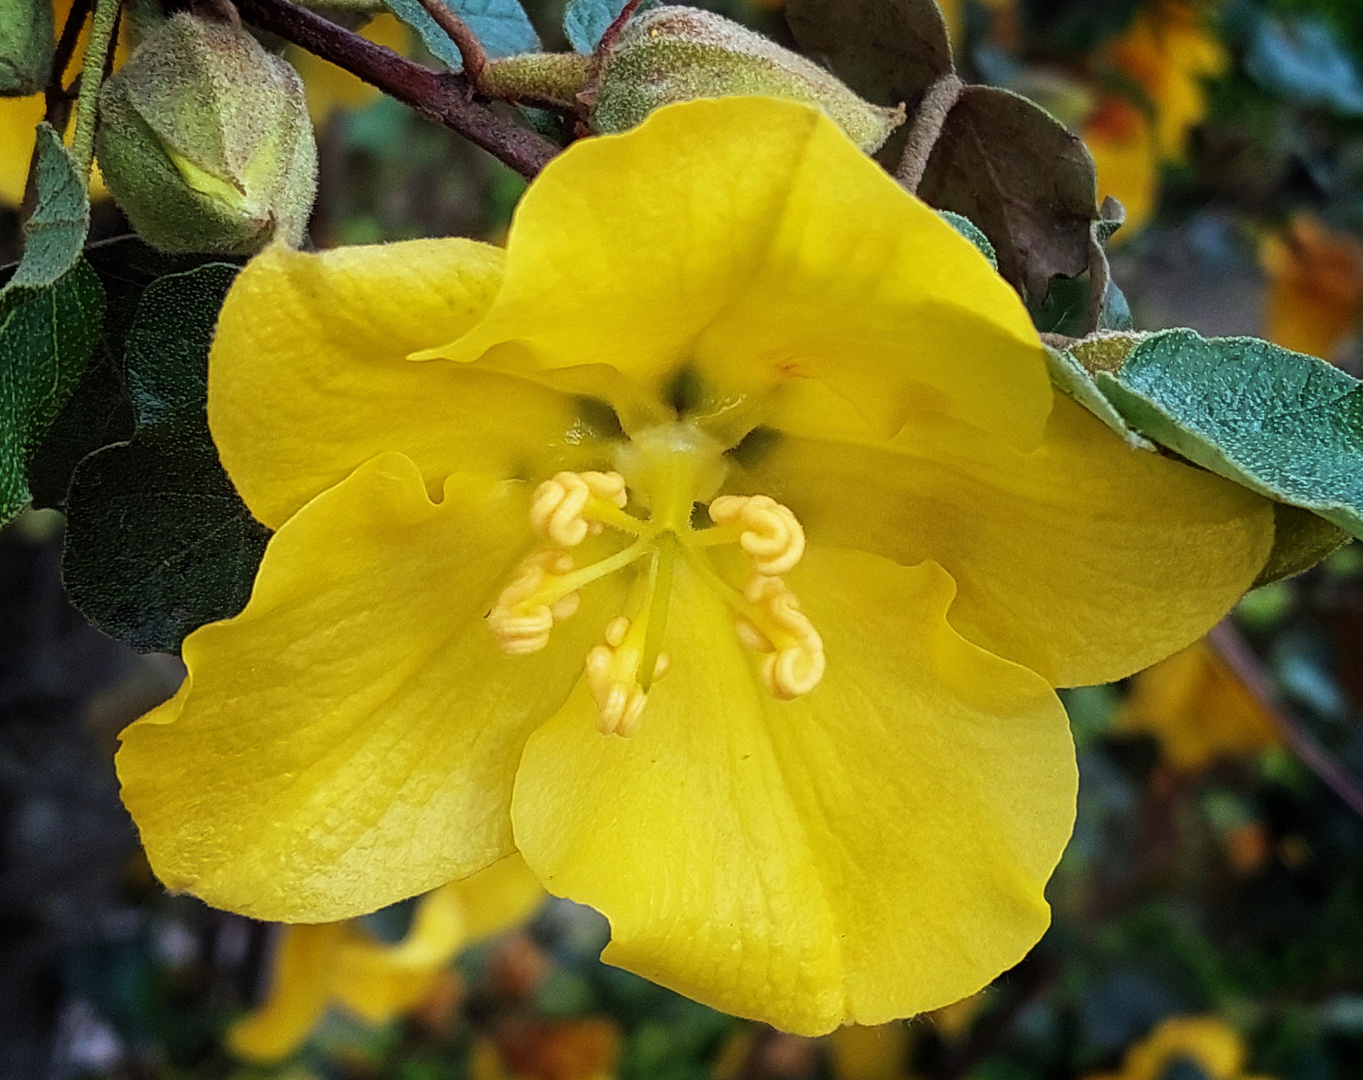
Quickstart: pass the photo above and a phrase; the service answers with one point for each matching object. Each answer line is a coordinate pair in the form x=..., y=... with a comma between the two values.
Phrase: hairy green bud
x=205, y=143
x=26, y=42
x=673, y=54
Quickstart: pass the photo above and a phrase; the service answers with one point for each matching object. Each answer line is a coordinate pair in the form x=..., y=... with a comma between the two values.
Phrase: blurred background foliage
x=1209, y=911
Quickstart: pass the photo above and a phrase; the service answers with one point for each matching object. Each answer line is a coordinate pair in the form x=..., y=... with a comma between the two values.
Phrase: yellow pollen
x=677, y=468
x=561, y=509
x=771, y=535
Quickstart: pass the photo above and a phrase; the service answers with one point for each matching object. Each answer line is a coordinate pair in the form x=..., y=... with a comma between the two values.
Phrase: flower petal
x=378, y=982
x=738, y=242
x=499, y=897
x=304, y=972
x=1085, y=560
x=308, y=375
x=874, y=849
x=350, y=739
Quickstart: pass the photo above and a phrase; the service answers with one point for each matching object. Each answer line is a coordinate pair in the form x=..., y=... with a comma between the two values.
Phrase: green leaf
x=1301, y=60
x=1300, y=540
x=1023, y=178
x=158, y=542
x=98, y=413
x=47, y=335
x=585, y=21
x=888, y=51
x=55, y=233
x=1283, y=424
x=1069, y=377
x=501, y=25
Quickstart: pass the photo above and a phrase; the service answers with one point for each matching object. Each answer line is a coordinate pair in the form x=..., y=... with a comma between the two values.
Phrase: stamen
x=621, y=672
x=768, y=620
x=520, y=625
x=797, y=666
x=771, y=533
x=571, y=506
x=542, y=592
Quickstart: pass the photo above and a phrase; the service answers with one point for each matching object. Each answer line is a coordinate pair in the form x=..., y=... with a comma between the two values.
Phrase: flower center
x=664, y=473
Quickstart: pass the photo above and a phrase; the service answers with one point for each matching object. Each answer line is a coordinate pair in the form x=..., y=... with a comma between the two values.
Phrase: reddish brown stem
x=613, y=31
x=57, y=98
x=1240, y=658
x=471, y=50
x=446, y=98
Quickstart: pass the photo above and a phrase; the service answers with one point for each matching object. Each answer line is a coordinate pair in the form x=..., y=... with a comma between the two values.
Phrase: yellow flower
x=19, y=118
x=800, y=383
x=870, y=1053
x=1197, y=708
x=339, y=962
x=1315, y=293
x=1204, y=1041
x=1122, y=141
x=1166, y=54
x=330, y=88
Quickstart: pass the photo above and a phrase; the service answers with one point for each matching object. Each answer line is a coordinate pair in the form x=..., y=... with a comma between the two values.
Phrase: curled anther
x=795, y=660
x=559, y=505
x=771, y=534
x=612, y=674
x=520, y=625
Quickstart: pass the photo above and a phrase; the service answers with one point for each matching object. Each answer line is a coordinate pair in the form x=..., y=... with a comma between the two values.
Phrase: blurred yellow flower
x=19, y=118
x=1315, y=287
x=1166, y=54
x=871, y=1053
x=1122, y=141
x=1197, y=709
x=1205, y=1042
x=539, y=590
x=330, y=88
x=318, y=965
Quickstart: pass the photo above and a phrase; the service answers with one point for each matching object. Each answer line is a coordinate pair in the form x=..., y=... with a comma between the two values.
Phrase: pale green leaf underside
x=1285, y=425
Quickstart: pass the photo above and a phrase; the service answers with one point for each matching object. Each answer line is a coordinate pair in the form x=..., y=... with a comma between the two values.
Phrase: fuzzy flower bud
x=26, y=32
x=205, y=141
x=674, y=54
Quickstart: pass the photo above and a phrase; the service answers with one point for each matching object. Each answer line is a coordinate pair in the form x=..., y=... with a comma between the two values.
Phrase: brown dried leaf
x=1023, y=178
x=888, y=51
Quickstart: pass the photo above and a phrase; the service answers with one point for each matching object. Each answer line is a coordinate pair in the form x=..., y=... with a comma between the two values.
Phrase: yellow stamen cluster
x=773, y=537
x=560, y=510
x=525, y=612
x=613, y=677
x=568, y=508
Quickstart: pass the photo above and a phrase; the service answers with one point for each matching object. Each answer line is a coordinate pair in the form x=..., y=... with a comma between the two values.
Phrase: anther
x=612, y=674
x=521, y=626
x=560, y=509
x=771, y=534
x=795, y=662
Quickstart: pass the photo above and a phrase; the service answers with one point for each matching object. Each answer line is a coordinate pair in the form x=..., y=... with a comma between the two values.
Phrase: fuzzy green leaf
x=47, y=335
x=55, y=233
x=585, y=21
x=158, y=541
x=1283, y=424
x=501, y=25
